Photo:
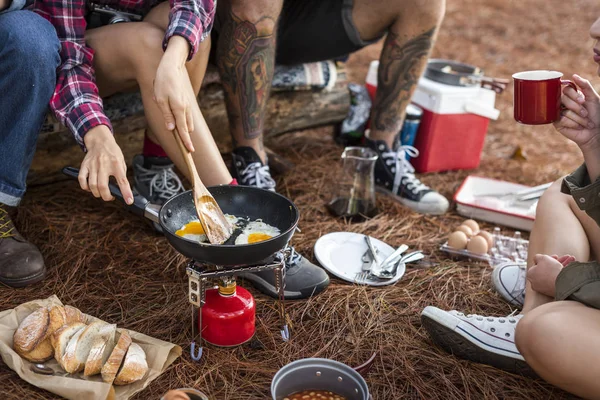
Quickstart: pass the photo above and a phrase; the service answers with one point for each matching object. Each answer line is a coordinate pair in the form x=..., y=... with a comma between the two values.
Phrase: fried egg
x=194, y=230
x=257, y=231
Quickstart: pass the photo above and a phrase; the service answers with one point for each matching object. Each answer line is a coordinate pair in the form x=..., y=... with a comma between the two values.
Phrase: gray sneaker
x=155, y=179
x=510, y=280
x=303, y=279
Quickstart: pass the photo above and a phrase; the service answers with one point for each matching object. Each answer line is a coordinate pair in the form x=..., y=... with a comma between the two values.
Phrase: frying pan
x=462, y=75
x=241, y=201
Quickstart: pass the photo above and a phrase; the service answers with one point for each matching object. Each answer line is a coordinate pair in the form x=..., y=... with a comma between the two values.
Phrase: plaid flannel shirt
x=76, y=102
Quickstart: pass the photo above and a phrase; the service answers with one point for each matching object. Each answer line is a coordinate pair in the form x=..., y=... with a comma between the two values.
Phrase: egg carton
x=505, y=249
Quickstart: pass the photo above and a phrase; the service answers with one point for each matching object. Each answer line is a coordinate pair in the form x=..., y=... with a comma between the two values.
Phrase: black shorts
x=312, y=30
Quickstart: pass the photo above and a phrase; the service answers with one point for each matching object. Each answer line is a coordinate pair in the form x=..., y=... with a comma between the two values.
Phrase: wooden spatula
x=215, y=225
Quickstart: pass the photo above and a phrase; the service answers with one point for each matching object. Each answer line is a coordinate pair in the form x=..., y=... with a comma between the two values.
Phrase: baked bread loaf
x=102, y=347
x=68, y=361
x=41, y=353
x=32, y=331
x=111, y=367
x=62, y=337
x=79, y=347
x=134, y=367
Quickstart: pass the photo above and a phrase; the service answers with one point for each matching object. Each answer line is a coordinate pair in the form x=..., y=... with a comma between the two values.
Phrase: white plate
x=341, y=254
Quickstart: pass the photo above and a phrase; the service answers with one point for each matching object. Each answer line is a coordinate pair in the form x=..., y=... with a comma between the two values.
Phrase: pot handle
x=364, y=368
x=139, y=202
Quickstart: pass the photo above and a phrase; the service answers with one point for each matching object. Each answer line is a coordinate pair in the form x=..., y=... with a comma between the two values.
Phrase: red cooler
x=453, y=126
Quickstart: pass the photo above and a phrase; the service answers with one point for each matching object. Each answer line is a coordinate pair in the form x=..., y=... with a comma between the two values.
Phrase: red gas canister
x=228, y=315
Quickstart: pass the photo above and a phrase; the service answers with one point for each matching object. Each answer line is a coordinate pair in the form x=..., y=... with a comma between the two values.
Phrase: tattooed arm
x=245, y=57
x=399, y=72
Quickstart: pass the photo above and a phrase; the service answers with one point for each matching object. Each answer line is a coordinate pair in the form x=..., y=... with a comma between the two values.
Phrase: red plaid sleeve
x=76, y=102
x=192, y=20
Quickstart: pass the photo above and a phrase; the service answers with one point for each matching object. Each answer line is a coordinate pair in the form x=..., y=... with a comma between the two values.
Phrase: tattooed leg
x=245, y=58
x=411, y=26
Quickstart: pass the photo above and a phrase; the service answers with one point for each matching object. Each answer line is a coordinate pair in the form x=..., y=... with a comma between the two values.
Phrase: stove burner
x=200, y=273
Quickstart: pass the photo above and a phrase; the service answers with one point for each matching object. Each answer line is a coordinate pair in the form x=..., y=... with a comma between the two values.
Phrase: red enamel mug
x=537, y=96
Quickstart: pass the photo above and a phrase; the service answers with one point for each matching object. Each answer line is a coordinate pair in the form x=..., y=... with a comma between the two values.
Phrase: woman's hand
x=173, y=90
x=103, y=160
x=542, y=275
x=580, y=120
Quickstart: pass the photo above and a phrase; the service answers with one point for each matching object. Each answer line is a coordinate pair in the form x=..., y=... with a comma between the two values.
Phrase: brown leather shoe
x=21, y=263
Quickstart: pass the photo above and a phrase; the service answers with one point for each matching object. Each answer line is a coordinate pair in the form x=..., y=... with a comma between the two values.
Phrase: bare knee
x=552, y=200
x=149, y=50
x=425, y=12
x=263, y=14
x=534, y=332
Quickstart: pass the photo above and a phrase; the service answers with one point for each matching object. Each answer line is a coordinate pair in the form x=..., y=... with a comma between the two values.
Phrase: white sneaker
x=510, y=280
x=486, y=340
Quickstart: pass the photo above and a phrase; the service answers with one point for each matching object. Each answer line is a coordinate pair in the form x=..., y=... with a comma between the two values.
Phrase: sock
x=234, y=182
x=152, y=149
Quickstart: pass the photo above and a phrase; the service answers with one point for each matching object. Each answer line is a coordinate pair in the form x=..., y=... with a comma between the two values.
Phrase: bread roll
x=102, y=347
x=110, y=369
x=74, y=315
x=61, y=338
x=32, y=331
x=41, y=353
x=134, y=367
x=58, y=318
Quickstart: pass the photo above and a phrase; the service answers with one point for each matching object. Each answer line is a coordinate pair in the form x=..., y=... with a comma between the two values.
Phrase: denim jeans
x=29, y=56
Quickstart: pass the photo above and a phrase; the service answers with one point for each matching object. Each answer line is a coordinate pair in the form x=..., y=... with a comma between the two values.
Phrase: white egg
x=257, y=231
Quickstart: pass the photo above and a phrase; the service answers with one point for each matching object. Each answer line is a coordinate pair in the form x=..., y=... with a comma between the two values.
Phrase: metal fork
x=362, y=276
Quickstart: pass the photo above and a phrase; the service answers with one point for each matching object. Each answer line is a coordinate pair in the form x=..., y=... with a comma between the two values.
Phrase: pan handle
x=140, y=206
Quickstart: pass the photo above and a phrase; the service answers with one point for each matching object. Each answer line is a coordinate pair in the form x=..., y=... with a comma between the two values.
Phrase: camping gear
x=354, y=193
x=459, y=74
x=454, y=123
x=341, y=254
x=228, y=314
x=537, y=96
x=215, y=225
x=322, y=374
x=221, y=262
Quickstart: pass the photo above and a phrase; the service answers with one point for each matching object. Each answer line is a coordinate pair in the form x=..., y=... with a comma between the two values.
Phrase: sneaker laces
x=257, y=174
x=511, y=318
x=403, y=170
x=7, y=229
x=293, y=259
x=163, y=182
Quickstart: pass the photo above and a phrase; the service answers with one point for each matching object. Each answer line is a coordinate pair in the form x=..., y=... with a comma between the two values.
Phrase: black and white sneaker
x=395, y=176
x=303, y=279
x=156, y=180
x=249, y=170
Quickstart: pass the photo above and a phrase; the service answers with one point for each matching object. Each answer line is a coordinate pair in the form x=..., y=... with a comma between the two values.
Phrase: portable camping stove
x=199, y=274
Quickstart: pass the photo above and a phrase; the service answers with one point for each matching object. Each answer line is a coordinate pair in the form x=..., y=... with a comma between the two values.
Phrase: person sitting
x=250, y=37
x=164, y=55
x=557, y=334
x=28, y=60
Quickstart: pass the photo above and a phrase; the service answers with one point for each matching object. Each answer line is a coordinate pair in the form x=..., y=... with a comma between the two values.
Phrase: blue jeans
x=29, y=56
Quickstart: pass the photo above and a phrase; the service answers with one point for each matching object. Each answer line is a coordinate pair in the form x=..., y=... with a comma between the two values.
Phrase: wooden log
x=287, y=111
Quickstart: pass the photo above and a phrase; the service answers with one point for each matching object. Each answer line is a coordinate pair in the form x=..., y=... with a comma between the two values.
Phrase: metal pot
x=320, y=374
x=455, y=73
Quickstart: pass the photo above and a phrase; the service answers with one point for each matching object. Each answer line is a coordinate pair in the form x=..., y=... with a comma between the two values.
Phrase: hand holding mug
x=580, y=115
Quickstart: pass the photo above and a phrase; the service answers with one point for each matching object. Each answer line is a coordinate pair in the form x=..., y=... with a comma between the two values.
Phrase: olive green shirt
x=580, y=281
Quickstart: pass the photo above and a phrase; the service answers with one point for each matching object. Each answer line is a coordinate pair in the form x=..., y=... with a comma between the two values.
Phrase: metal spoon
x=391, y=272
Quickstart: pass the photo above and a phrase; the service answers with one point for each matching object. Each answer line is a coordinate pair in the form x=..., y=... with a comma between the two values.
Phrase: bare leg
x=561, y=342
x=245, y=57
x=127, y=55
x=560, y=228
x=412, y=26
